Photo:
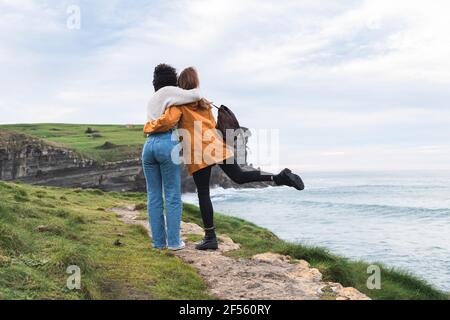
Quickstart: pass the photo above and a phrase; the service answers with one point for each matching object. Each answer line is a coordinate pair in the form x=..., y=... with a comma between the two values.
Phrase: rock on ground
x=267, y=276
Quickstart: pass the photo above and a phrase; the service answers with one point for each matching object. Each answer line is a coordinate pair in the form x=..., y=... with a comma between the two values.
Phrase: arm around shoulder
x=167, y=121
x=177, y=96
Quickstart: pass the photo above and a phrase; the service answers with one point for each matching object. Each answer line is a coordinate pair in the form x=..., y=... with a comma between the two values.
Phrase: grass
x=45, y=230
x=126, y=141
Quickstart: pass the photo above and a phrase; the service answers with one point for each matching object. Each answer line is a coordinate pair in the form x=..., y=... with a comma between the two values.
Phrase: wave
x=401, y=186
x=289, y=198
x=387, y=209
x=360, y=189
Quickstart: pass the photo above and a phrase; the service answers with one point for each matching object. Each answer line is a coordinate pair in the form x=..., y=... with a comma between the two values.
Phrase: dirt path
x=266, y=276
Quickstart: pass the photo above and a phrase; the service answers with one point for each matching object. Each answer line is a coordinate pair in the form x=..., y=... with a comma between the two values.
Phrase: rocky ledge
x=267, y=276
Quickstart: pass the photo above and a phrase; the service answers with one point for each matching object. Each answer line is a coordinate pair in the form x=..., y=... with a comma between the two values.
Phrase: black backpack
x=226, y=120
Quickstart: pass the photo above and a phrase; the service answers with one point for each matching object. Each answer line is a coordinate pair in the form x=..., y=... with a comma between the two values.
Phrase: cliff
x=36, y=161
x=25, y=156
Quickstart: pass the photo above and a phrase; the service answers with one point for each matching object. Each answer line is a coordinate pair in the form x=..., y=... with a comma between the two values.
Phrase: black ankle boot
x=209, y=242
x=287, y=178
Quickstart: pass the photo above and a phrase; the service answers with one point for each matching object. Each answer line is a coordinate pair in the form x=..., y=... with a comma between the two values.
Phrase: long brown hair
x=189, y=80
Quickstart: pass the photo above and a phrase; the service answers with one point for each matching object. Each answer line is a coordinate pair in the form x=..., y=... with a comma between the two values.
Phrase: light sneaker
x=180, y=247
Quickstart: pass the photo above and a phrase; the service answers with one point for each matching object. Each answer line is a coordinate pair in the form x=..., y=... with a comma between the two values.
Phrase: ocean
x=401, y=219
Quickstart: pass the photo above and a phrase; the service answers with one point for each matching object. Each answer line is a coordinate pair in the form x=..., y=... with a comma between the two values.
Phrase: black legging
x=235, y=173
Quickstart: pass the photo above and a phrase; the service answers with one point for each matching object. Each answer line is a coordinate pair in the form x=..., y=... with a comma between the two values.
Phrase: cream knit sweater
x=167, y=97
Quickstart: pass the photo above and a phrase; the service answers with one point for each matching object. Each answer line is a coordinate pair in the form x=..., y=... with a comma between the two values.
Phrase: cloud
x=353, y=74
x=404, y=40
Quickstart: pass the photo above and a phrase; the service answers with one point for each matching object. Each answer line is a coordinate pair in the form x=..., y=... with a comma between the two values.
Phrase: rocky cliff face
x=34, y=161
x=22, y=156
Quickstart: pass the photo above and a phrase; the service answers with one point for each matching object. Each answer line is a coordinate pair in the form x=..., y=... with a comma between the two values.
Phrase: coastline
x=255, y=216
x=50, y=226
x=396, y=284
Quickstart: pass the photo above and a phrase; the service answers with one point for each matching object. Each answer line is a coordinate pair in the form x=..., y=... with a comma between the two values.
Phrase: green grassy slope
x=127, y=140
x=44, y=230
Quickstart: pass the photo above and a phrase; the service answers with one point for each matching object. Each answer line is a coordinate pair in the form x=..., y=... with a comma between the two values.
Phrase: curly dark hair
x=163, y=76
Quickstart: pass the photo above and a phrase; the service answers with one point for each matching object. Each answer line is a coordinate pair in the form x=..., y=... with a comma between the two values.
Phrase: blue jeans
x=162, y=173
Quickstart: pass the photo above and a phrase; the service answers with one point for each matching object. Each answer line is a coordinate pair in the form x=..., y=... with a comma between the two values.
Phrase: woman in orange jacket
x=203, y=147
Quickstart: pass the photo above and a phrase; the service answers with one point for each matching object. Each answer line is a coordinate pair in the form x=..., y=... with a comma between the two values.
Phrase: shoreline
x=71, y=216
x=397, y=284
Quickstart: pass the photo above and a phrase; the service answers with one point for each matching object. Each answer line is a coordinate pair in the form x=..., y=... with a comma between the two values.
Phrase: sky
x=349, y=85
